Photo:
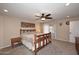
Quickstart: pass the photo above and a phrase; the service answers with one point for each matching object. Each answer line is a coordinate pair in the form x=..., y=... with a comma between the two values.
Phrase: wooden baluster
x=46, y=39
x=39, y=43
x=50, y=36
x=43, y=40
x=35, y=51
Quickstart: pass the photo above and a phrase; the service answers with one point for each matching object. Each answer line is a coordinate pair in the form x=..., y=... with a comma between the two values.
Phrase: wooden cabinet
x=77, y=44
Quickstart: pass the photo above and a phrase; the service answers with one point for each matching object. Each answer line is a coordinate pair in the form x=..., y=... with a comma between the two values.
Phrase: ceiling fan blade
x=36, y=19
x=48, y=15
x=37, y=16
x=49, y=18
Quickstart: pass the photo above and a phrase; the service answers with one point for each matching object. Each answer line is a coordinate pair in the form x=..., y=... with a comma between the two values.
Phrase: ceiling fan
x=43, y=16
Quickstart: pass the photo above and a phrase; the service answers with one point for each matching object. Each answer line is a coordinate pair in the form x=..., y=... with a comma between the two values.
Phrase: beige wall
x=1, y=31
x=39, y=27
x=9, y=28
x=62, y=32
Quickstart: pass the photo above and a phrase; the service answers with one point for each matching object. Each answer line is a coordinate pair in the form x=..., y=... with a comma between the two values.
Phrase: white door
x=46, y=28
x=51, y=29
x=74, y=30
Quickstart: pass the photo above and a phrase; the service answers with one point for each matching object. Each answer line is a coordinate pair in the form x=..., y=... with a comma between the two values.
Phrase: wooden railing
x=41, y=40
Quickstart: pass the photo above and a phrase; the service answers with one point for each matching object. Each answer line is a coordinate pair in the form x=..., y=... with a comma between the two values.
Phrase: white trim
x=5, y=46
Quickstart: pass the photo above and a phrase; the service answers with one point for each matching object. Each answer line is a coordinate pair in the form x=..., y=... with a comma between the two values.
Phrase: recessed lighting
x=67, y=16
x=5, y=10
x=67, y=4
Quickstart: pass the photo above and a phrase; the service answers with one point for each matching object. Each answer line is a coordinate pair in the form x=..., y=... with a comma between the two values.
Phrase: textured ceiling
x=28, y=10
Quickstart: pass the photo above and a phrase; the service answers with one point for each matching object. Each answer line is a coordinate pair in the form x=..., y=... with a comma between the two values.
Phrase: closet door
x=74, y=30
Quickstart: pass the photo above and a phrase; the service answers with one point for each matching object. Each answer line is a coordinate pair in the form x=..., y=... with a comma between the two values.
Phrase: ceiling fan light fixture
x=67, y=4
x=42, y=19
x=5, y=10
x=68, y=16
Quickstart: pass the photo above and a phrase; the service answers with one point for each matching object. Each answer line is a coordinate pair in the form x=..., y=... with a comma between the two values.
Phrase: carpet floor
x=54, y=48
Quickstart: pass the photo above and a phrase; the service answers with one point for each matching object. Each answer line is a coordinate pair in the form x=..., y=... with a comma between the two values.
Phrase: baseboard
x=5, y=46
x=65, y=41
